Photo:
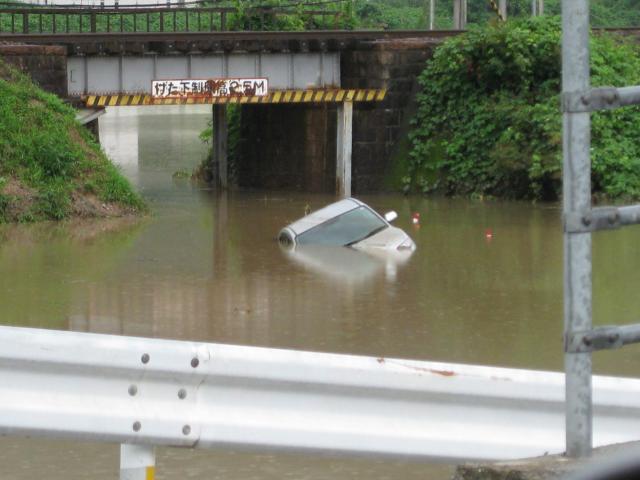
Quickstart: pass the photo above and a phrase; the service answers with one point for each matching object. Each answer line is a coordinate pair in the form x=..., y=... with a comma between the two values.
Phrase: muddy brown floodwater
x=207, y=267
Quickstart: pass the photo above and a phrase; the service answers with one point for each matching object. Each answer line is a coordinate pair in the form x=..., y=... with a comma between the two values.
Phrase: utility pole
x=537, y=8
x=502, y=8
x=432, y=14
x=459, y=14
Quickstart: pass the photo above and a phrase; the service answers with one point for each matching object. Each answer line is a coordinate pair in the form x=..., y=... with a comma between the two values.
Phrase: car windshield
x=348, y=228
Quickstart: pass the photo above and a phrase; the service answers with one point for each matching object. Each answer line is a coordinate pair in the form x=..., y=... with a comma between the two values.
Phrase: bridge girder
x=108, y=74
x=221, y=42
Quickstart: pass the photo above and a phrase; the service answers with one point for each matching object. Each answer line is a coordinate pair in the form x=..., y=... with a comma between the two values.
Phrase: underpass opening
x=290, y=139
x=290, y=146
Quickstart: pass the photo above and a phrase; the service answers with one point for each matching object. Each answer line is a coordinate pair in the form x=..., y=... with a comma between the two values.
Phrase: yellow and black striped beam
x=277, y=96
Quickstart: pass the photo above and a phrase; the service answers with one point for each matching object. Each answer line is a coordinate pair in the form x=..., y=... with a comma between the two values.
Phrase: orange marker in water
x=488, y=234
x=415, y=218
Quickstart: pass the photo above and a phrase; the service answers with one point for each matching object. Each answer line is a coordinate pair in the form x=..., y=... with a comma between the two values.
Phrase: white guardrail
x=164, y=392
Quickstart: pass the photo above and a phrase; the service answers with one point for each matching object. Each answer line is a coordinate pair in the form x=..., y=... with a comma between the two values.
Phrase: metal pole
x=137, y=462
x=463, y=20
x=459, y=14
x=537, y=8
x=456, y=14
x=577, y=246
x=432, y=14
x=502, y=8
x=343, y=157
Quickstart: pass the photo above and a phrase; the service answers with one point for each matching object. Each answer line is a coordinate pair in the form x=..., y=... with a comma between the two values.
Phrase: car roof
x=320, y=216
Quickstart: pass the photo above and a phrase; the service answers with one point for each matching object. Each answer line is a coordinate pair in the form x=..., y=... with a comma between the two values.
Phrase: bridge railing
x=52, y=20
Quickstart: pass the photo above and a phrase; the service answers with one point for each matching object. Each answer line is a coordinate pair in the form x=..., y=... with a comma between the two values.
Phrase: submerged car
x=349, y=223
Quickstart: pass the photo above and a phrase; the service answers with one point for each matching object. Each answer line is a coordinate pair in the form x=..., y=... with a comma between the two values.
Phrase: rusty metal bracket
x=602, y=338
x=601, y=218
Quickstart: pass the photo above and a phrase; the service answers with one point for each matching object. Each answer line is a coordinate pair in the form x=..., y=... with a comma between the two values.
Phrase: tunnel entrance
x=291, y=128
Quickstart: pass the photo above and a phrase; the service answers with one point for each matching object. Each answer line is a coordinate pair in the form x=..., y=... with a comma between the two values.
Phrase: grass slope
x=51, y=168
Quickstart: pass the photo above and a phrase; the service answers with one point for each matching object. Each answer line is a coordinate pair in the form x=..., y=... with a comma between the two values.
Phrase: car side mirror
x=390, y=216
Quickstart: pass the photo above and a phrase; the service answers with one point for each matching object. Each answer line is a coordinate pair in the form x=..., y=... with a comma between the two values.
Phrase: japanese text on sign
x=216, y=87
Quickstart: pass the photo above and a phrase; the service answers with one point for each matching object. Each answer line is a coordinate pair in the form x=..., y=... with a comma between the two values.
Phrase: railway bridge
x=312, y=80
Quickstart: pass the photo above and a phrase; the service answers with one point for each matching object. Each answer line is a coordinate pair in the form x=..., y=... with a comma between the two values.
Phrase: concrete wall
x=288, y=147
x=46, y=65
x=294, y=146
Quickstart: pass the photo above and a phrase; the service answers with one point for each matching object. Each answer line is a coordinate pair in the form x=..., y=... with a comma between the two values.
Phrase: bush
x=54, y=202
x=234, y=121
x=489, y=122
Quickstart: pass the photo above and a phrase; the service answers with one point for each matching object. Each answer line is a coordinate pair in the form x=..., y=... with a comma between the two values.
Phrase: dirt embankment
x=51, y=168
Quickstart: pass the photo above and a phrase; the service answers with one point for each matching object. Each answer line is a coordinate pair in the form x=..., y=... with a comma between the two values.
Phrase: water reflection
x=346, y=265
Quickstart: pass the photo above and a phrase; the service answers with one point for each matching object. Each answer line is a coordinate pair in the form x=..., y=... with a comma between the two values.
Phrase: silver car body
x=384, y=237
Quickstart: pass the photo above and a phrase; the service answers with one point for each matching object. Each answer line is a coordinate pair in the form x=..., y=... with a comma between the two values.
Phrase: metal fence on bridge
x=51, y=20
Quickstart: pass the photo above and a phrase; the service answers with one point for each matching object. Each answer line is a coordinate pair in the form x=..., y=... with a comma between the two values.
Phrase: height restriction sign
x=216, y=87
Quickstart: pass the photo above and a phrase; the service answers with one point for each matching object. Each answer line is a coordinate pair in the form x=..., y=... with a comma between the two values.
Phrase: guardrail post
x=343, y=157
x=137, y=462
x=576, y=131
x=25, y=23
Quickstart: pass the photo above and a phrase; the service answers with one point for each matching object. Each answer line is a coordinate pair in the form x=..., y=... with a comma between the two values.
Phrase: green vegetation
x=181, y=174
x=274, y=15
x=489, y=123
x=409, y=14
x=51, y=167
x=294, y=15
x=203, y=171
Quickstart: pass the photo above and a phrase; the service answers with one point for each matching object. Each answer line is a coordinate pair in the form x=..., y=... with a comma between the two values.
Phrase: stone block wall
x=46, y=65
x=294, y=146
x=378, y=127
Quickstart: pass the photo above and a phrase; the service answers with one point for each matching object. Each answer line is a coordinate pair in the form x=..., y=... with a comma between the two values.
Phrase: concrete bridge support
x=343, y=144
x=89, y=117
x=220, y=161
x=343, y=141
